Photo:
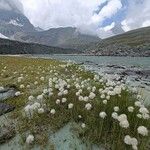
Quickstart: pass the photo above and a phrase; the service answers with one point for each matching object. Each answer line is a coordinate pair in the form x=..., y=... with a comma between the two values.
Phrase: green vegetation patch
x=52, y=93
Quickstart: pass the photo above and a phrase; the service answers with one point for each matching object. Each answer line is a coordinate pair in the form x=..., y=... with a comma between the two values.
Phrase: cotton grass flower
x=28, y=86
x=145, y=116
x=35, y=83
x=83, y=125
x=142, y=130
x=102, y=96
x=130, y=109
x=63, y=100
x=57, y=101
x=79, y=116
x=40, y=97
x=45, y=91
x=122, y=117
x=53, y=111
x=1, y=88
x=88, y=106
x=30, y=139
x=105, y=102
x=108, y=97
x=42, y=78
x=31, y=98
x=92, y=95
x=127, y=140
x=131, y=141
x=143, y=110
x=20, y=79
x=102, y=115
x=27, y=110
x=114, y=115
x=65, y=92
x=80, y=98
x=70, y=106
x=116, y=108
x=22, y=86
x=124, y=123
x=139, y=116
x=138, y=104
x=18, y=93
x=40, y=111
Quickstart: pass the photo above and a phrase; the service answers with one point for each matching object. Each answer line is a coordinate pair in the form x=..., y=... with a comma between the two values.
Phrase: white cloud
x=56, y=13
x=11, y=4
x=76, y=13
x=109, y=27
x=107, y=11
x=138, y=14
x=105, y=32
x=125, y=27
x=146, y=23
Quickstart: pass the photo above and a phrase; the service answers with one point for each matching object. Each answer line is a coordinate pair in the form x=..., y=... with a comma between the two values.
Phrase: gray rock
x=6, y=133
x=7, y=93
x=5, y=108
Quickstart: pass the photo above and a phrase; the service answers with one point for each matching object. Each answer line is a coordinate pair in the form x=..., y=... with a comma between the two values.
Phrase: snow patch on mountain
x=3, y=36
x=15, y=23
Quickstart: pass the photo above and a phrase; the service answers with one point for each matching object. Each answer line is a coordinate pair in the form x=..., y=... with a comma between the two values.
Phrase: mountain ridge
x=132, y=43
x=8, y=46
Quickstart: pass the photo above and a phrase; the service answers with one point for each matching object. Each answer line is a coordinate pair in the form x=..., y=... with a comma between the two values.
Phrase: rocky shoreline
x=121, y=50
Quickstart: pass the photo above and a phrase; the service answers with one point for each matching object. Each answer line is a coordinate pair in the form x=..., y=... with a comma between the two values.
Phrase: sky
x=96, y=17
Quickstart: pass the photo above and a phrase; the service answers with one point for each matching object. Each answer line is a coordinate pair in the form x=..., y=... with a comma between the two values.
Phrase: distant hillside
x=132, y=43
x=15, y=47
x=60, y=37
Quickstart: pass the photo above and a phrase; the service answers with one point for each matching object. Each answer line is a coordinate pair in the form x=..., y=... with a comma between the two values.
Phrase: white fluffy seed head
x=102, y=115
x=88, y=106
x=116, y=108
x=52, y=111
x=130, y=109
x=83, y=125
x=138, y=104
x=103, y=96
x=64, y=100
x=124, y=124
x=17, y=93
x=30, y=139
x=127, y=140
x=92, y=95
x=105, y=102
x=143, y=110
x=31, y=98
x=57, y=101
x=40, y=111
x=114, y=115
x=142, y=130
x=139, y=116
x=122, y=117
x=22, y=86
x=79, y=116
x=70, y=106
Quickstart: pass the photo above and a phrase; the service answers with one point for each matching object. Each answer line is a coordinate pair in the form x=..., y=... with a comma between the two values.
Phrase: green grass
x=106, y=132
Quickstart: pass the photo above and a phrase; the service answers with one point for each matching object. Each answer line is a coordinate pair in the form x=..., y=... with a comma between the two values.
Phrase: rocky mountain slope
x=16, y=26
x=12, y=22
x=67, y=37
x=132, y=43
x=15, y=47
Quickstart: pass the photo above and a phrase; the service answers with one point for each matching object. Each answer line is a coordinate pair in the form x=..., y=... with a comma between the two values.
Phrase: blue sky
x=119, y=16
